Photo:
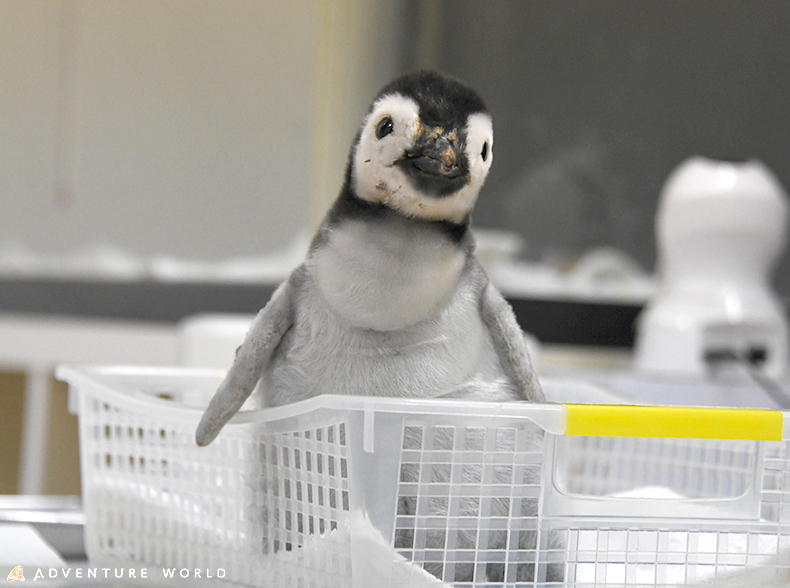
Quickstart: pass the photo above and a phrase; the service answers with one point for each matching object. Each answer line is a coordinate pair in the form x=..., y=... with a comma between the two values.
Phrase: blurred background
x=199, y=144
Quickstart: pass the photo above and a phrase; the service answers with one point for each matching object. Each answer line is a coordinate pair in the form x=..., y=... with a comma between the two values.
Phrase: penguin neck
x=349, y=206
x=379, y=270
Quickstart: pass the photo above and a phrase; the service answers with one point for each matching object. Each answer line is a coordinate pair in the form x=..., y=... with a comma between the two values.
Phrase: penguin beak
x=436, y=156
x=435, y=163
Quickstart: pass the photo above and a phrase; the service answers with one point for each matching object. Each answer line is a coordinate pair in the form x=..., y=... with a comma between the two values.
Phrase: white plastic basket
x=363, y=492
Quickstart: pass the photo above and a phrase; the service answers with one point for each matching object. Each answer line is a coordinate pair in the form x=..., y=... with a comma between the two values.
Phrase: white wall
x=196, y=129
x=28, y=106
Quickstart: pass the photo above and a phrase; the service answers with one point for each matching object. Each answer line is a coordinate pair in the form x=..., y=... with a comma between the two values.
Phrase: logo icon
x=16, y=574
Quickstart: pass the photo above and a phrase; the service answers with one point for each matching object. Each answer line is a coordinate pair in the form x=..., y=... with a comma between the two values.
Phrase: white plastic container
x=720, y=227
x=366, y=492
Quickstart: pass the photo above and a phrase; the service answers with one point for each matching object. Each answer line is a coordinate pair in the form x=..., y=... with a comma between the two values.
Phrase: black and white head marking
x=424, y=149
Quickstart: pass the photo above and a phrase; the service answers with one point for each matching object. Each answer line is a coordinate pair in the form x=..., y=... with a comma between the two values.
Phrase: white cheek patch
x=377, y=179
x=374, y=172
x=479, y=131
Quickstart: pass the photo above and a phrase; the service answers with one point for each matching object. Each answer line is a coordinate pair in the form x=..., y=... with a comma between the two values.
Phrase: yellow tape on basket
x=602, y=420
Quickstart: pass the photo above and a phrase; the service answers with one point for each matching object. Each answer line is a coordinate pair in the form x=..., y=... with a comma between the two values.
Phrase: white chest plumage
x=386, y=277
x=394, y=316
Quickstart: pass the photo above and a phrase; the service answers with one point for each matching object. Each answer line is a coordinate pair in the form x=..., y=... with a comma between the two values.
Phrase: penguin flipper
x=266, y=332
x=509, y=343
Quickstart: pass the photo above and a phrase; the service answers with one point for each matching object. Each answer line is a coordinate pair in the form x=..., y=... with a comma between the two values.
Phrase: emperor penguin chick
x=391, y=300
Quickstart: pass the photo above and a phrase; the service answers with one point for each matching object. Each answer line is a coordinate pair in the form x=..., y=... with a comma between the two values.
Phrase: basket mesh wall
x=662, y=548
x=156, y=499
x=468, y=503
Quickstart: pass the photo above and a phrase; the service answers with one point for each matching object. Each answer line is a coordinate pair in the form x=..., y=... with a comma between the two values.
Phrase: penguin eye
x=484, y=152
x=384, y=128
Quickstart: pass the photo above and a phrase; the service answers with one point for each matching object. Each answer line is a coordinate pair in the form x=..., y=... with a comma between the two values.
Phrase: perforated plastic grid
x=601, y=557
x=156, y=499
x=468, y=502
x=664, y=548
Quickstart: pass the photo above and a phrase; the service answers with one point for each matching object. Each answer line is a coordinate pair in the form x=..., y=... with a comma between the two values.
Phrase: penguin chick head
x=424, y=148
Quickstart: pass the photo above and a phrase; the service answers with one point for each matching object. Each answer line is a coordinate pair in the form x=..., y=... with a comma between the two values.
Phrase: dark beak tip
x=450, y=171
x=436, y=167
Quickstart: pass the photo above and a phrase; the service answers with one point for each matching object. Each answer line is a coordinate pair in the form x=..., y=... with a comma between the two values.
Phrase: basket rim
x=107, y=379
